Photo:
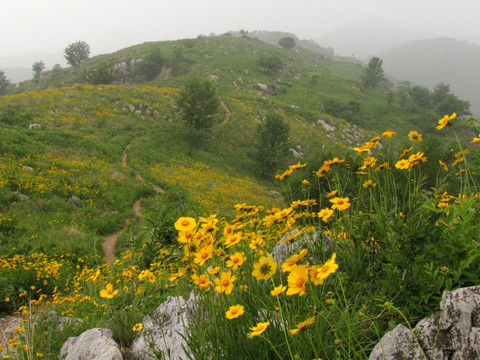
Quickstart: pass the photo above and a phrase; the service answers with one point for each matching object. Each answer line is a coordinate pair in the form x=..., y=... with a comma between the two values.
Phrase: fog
x=48, y=26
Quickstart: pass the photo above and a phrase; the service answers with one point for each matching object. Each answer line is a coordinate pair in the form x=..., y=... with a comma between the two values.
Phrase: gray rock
x=166, y=328
x=284, y=250
x=453, y=333
x=22, y=197
x=94, y=344
x=74, y=201
x=34, y=126
x=60, y=322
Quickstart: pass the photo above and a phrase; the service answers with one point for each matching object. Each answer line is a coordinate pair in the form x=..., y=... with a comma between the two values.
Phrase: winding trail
x=236, y=86
x=108, y=244
x=228, y=113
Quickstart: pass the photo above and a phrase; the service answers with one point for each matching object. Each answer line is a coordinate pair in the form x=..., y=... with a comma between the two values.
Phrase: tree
x=4, y=83
x=76, y=53
x=374, y=73
x=198, y=102
x=38, y=68
x=287, y=42
x=270, y=64
x=151, y=64
x=272, y=144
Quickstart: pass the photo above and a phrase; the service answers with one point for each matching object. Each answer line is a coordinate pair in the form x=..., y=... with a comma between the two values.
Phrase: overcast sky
x=46, y=26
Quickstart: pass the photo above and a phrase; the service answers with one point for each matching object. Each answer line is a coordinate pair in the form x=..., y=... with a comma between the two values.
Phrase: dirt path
x=108, y=244
x=236, y=86
x=227, y=111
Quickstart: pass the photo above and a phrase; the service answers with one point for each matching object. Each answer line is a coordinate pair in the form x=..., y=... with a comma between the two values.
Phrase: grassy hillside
x=111, y=144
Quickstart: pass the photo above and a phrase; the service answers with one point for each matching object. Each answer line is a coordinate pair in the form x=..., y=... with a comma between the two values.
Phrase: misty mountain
x=428, y=62
x=369, y=37
x=19, y=68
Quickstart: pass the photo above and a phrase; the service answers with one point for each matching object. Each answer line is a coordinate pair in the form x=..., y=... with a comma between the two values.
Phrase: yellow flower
x=403, y=164
x=325, y=214
x=382, y=167
x=369, y=184
x=236, y=260
x=283, y=176
x=264, y=268
x=214, y=271
x=293, y=260
x=203, y=254
x=137, y=327
x=297, y=166
x=389, y=133
x=322, y=171
x=302, y=326
x=234, y=312
x=278, y=290
x=305, y=182
x=260, y=328
x=185, y=224
x=225, y=282
x=108, y=292
x=443, y=165
x=318, y=274
x=415, y=136
x=331, y=193
x=406, y=151
x=334, y=161
x=445, y=121
x=297, y=280
x=340, y=203
x=147, y=275
x=368, y=162
x=476, y=139
x=233, y=239
x=203, y=281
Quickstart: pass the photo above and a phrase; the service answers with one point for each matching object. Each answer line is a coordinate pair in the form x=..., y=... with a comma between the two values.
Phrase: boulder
x=74, y=201
x=166, y=330
x=453, y=333
x=94, y=344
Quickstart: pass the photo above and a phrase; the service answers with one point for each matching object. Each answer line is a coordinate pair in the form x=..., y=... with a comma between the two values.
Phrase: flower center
x=225, y=282
x=300, y=282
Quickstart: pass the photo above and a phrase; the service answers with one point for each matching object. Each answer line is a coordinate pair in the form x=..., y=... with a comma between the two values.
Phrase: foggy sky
x=46, y=26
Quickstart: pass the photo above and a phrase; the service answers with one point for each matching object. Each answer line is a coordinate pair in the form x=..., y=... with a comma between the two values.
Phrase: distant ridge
x=428, y=62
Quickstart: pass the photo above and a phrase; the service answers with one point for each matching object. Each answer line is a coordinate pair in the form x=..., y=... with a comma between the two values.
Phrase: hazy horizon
x=31, y=26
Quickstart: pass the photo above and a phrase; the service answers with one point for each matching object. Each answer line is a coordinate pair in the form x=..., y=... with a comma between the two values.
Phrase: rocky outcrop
x=94, y=344
x=453, y=333
x=166, y=329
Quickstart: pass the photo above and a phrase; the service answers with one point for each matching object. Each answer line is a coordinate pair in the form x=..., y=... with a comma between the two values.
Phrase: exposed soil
x=108, y=244
x=227, y=112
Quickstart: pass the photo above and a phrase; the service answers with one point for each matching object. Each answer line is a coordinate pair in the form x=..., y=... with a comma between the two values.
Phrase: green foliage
x=374, y=73
x=4, y=83
x=272, y=144
x=101, y=74
x=38, y=68
x=151, y=64
x=76, y=53
x=198, y=102
x=287, y=42
x=270, y=64
x=350, y=111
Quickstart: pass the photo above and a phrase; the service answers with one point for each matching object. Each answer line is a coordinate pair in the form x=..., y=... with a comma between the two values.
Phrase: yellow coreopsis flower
x=318, y=274
x=389, y=133
x=148, y=276
x=234, y=312
x=260, y=328
x=225, y=282
x=443, y=165
x=322, y=171
x=108, y=292
x=325, y=214
x=236, y=260
x=297, y=280
x=264, y=268
x=414, y=136
x=445, y=121
x=302, y=326
x=340, y=204
x=403, y=164
x=293, y=260
x=137, y=327
x=369, y=184
x=203, y=254
x=278, y=290
x=202, y=282
x=475, y=139
x=185, y=224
